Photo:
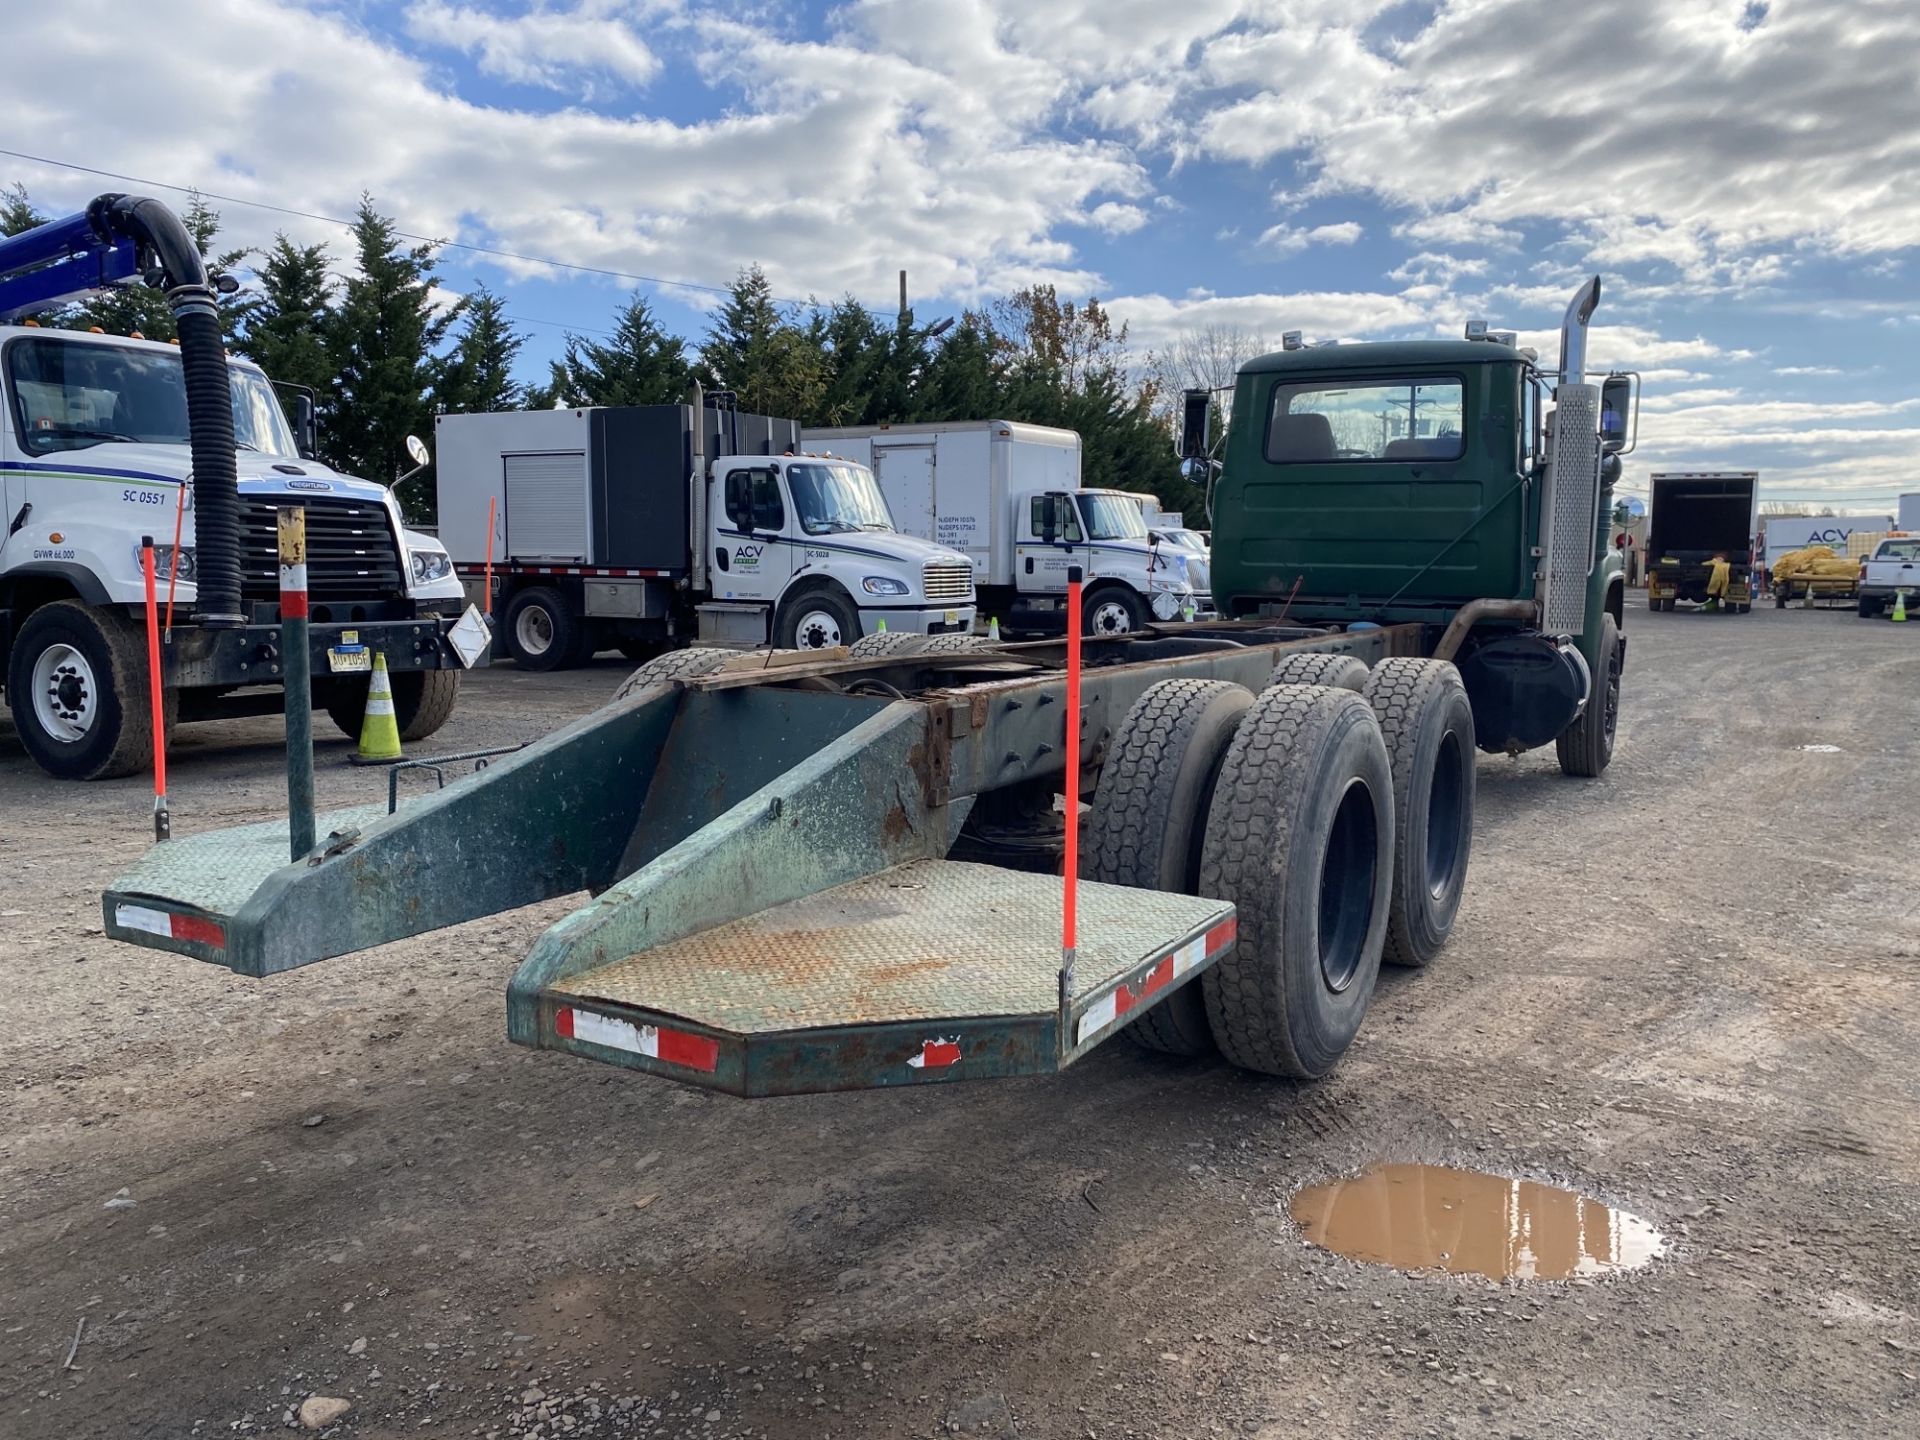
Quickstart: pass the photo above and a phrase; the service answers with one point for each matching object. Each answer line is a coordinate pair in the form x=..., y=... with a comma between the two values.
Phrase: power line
x=444, y=244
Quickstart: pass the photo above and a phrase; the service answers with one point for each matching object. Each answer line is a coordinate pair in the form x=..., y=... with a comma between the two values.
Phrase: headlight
x=164, y=557
x=430, y=565
x=883, y=585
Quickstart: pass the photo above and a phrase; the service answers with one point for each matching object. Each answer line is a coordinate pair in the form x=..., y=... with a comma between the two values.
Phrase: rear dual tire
x=1149, y=817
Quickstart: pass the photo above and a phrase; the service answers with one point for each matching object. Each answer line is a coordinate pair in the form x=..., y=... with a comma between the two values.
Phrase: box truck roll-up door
x=905, y=473
x=546, y=505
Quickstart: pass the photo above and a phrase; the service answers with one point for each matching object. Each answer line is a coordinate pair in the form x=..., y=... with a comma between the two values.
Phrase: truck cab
x=809, y=537
x=1456, y=484
x=94, y=456
x=1130, y=580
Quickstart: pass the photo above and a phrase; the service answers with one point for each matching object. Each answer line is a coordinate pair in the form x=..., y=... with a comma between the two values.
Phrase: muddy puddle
x=1429, y=1217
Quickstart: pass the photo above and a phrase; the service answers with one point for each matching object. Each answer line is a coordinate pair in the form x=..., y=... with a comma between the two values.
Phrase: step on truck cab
x=98, y=450
x=873, y=869
x=1010, y=495
x=631, y=527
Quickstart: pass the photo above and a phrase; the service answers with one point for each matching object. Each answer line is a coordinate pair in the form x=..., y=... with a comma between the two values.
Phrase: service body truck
x=626, y=526
x=1009, y=496
x=97, y=452
x=1892, y=570
x=1696, y=515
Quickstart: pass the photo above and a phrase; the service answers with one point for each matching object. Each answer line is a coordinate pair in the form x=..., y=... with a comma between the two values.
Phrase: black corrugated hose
x=203, y=356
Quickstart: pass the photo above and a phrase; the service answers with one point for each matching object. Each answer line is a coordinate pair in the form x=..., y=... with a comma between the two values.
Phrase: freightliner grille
x=947, y=582
x=351, y=550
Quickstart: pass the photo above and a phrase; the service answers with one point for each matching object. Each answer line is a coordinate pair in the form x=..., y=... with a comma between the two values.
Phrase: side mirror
x=1196, y=424
x=306, y=429
x=1049, y=518
x=417, y=451
x=1616, y=414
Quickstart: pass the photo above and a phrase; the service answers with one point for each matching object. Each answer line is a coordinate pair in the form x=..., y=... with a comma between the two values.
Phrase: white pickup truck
x=1894, y=566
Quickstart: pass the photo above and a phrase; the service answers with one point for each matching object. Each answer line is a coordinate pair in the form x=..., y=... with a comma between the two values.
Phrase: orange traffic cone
x=379, y=731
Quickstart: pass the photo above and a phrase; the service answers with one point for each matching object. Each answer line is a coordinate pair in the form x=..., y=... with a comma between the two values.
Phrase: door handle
x=720, y=557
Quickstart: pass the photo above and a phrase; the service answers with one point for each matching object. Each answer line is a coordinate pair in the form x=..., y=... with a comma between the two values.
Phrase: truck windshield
x=834, y=499
x=72, y=394
x=1391, y=420
x=1111, y=517
x=1899, y=550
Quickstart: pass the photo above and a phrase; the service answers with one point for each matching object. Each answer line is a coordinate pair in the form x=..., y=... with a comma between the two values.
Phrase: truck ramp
x=930, y=971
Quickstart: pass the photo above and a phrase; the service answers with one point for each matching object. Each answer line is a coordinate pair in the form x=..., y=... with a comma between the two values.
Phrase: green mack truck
x=845, y=869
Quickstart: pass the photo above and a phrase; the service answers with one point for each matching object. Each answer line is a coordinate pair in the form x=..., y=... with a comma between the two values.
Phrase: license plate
x=953, y=617
x=344, y=658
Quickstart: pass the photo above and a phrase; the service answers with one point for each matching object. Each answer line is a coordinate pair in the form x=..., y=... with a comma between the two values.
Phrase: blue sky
x=1216, y=171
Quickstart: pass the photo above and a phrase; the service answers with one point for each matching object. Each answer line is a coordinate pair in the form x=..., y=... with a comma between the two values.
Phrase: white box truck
x=631, y=527
x=1909, y=511
x=1008, y=496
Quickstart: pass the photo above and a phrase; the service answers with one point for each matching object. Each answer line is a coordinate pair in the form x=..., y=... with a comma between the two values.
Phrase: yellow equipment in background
x=1814, y=572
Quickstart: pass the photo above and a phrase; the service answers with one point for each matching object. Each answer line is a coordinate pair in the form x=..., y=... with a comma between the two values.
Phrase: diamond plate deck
x=929, y=941
x=218, y=871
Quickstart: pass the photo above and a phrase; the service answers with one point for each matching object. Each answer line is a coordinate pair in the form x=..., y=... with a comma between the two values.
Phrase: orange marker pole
x=162, y=815
x=173, y=570
x=1070, y=917
x=487, y=595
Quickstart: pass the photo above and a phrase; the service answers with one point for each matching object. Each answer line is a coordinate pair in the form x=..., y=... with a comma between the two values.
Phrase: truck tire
x=1112, y=610
x=542, y=633
x=689, y=664
x=1149, y=818
x=1427, y=722
x=422, y=702
x=1343, y=672
x=77, y=686
x=887, y=642
x=1871, y=609
x=1300, y=838
x=952, y=644
x=816, y=619
x=1586, y=746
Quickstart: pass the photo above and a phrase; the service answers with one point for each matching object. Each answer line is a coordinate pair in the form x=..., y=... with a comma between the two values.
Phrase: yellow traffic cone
x=1900, y=605
x=379, y=732
x=880, y=626
x=993, y=629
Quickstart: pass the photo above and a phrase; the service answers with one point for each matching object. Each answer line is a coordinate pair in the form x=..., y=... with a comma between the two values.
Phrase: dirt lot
x=1688, y=989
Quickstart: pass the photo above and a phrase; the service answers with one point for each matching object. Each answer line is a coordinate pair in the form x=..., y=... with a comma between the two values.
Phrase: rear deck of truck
x=777, y=903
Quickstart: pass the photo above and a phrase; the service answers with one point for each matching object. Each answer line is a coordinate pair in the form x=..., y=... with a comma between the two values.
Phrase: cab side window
x=753, y=500
x=1065, y=518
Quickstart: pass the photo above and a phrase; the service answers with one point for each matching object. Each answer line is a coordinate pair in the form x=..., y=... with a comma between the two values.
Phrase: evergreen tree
x=962, y=381
x=286, y=329
x=385, y=338
x=17, y=211
x=479, y=373
x=853, y=350
x=772, y=365
x=643, y=365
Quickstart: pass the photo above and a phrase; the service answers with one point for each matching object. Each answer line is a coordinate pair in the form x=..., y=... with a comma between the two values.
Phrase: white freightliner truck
x=1009, y=496
x=96, y=449
x=631, y=527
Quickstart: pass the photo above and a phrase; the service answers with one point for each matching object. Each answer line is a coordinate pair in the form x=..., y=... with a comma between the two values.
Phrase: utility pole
x=903, y=292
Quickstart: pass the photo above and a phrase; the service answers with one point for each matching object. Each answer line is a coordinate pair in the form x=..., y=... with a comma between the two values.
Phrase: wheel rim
x=66, y=701
x=1445, y=806
x=533, y=631
x=1110, y=617
x=817, y=630
x=1346, y=887
x=1613, y=695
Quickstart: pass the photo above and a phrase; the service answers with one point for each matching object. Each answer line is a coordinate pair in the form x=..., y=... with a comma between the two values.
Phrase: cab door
x=1049, y=541
x=753, y=558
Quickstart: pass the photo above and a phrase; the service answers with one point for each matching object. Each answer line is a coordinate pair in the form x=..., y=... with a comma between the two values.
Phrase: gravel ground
x=1687, y=989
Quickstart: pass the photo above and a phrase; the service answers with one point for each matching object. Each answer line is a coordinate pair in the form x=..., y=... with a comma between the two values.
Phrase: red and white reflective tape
x=656, y=1042
x=936, y=1054
x=170, y=925
x=293, y=592
x=1171, y=968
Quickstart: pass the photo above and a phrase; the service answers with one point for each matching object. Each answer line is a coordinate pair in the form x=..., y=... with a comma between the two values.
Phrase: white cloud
x=1116, y=219
x=1808, y=370
x=1291, y=240
x=556, y=49
x=1155, y=320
